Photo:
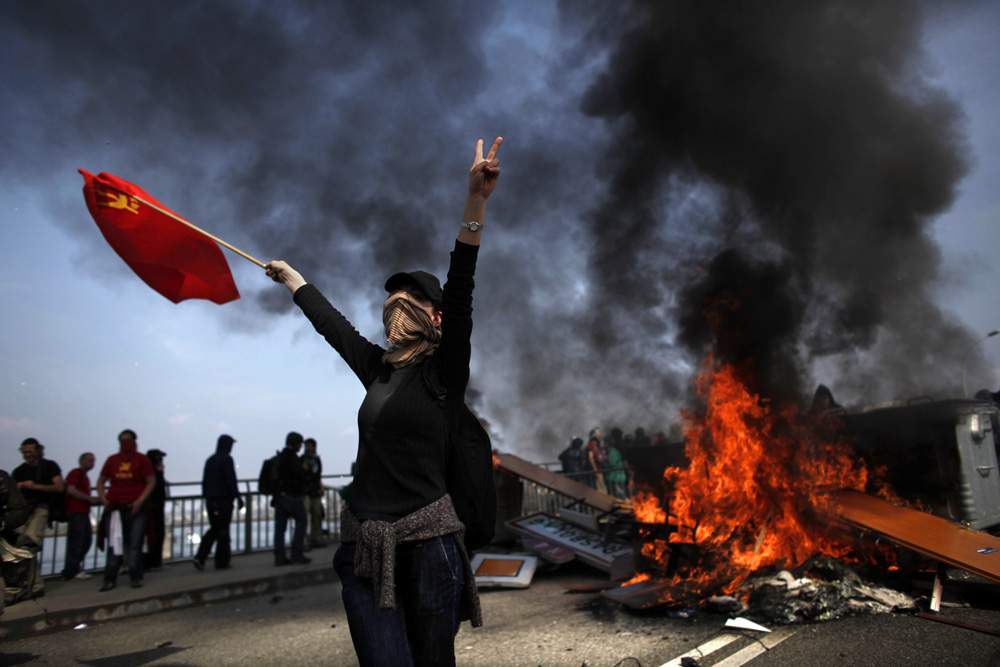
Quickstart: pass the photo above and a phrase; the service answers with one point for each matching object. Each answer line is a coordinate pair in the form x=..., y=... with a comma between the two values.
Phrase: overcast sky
x=844, y=155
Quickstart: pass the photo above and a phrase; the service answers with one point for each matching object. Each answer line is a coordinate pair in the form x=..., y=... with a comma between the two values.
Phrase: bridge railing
x=186, y=520
x=252, y=528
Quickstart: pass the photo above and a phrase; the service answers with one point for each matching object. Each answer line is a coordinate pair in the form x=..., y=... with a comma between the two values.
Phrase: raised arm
x=482, y=179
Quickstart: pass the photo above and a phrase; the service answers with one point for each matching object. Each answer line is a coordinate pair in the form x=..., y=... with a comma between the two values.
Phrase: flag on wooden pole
x=170, y=255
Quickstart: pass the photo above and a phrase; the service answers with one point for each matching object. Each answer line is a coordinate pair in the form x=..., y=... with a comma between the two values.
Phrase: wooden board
x=927, y=534
x=560, y=483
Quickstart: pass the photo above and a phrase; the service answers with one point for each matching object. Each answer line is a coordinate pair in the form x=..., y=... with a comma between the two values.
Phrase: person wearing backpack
x=403, y=564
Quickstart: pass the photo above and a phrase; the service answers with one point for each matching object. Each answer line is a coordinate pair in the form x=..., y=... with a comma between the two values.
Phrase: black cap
x=156, y=455
x=427, y=283
x=226, y=439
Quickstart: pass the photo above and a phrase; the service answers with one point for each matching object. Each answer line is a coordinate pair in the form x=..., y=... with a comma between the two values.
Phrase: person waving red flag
x=170, y=255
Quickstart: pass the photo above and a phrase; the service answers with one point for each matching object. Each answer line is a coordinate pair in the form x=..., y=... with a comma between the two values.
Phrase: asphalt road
x=542, y=625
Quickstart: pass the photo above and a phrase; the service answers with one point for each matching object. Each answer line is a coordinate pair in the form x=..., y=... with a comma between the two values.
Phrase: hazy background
x=829, y=166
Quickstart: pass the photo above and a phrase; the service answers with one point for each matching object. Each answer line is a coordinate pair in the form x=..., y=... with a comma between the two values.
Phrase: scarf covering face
x=127, y=448
x=409, y=330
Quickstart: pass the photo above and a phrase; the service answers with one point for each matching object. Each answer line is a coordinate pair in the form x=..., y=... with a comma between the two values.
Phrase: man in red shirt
x=79, y=532
x=125, y=512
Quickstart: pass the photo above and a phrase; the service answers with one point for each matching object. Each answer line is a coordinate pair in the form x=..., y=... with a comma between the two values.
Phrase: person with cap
x=405, y=575
x=157, y=509
x=130, y=479
x=219, y=488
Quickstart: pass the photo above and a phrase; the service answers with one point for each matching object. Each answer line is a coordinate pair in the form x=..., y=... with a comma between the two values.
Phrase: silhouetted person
x=288, y=503
x=313, y=494
x=572, y=459
x=220, y=490
x=157, y=508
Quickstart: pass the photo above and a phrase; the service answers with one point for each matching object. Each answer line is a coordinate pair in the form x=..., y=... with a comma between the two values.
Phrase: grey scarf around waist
x=375, y=548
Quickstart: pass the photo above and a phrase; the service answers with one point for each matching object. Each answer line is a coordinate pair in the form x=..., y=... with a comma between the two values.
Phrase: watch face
x=472, y=226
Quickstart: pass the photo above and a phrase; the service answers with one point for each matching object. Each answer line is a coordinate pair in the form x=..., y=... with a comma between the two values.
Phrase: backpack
x=469, y=473
x=269, y=482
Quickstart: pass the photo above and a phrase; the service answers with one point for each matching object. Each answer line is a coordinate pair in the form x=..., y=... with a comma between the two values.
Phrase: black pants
x=220, y=515
x=157, y=530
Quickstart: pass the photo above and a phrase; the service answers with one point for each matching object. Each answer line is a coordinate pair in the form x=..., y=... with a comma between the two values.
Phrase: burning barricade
x=762, y=518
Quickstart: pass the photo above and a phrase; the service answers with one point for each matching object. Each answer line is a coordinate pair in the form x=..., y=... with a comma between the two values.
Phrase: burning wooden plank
x=932, y=536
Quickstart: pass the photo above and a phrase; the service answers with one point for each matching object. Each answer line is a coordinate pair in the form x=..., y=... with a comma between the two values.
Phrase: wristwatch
x=473, y=226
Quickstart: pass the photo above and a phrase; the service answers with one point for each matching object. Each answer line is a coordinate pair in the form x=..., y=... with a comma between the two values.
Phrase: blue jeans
x=79, y=537
x=133, y=534
x=421, y=629
x=285, y=506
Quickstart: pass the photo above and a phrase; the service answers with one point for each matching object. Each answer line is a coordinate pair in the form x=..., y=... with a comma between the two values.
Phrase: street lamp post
x=965, y=360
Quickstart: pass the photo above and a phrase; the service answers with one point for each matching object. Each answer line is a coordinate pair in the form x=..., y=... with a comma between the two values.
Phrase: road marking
x=711, y=646
x=762, y=645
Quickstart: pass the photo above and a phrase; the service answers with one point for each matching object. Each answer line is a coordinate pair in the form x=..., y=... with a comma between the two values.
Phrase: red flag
x=170, y=257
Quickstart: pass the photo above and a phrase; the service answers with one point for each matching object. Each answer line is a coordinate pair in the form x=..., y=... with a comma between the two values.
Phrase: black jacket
x=291, y=473
x=403, y=428
x=219, y=478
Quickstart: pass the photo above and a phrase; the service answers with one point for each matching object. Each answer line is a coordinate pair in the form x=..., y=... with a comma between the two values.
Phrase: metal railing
x=252, y=528
x=186, y=519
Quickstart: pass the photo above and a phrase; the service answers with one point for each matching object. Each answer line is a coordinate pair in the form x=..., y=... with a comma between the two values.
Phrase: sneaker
x=137, y=583
x=200, y=565
x=282, y=561
x=83, y=576
x=108, y=585
x=302, y=560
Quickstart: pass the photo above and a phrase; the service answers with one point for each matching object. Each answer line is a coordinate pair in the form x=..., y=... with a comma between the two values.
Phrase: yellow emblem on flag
x=117, y=200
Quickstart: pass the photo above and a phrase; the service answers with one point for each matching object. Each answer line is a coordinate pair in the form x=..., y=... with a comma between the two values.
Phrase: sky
x=830, y=168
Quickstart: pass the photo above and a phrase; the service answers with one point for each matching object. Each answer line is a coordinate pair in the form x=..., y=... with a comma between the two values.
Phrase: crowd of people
x=600, y=463
x=132, y=490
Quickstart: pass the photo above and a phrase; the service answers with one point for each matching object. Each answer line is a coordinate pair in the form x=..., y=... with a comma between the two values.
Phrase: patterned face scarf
x=409, y=329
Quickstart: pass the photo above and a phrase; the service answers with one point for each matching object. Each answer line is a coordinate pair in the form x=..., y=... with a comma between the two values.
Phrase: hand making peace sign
x=485, y=171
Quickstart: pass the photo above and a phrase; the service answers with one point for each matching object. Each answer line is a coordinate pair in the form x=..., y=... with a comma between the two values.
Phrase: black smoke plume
x=661, y=158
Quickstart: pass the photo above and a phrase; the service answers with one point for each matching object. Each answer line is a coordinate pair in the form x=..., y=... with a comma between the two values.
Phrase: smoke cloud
x=775, y=167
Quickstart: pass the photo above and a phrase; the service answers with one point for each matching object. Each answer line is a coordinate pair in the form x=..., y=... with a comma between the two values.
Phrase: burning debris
x=758, y=470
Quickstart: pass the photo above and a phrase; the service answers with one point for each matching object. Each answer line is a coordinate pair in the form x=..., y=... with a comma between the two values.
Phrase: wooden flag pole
x=197, y=229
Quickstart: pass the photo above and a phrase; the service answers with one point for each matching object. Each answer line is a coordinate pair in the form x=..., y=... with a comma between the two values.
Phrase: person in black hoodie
x=405, y=576
x=219, y=488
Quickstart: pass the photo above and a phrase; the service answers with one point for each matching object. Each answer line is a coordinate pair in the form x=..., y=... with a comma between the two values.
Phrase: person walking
x=288, y=503
x=130, y=480
x=79, y=531
x=405, y=574
x=219, y=488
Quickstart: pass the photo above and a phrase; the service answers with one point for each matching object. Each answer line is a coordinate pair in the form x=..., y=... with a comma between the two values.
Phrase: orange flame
x=757, y=470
